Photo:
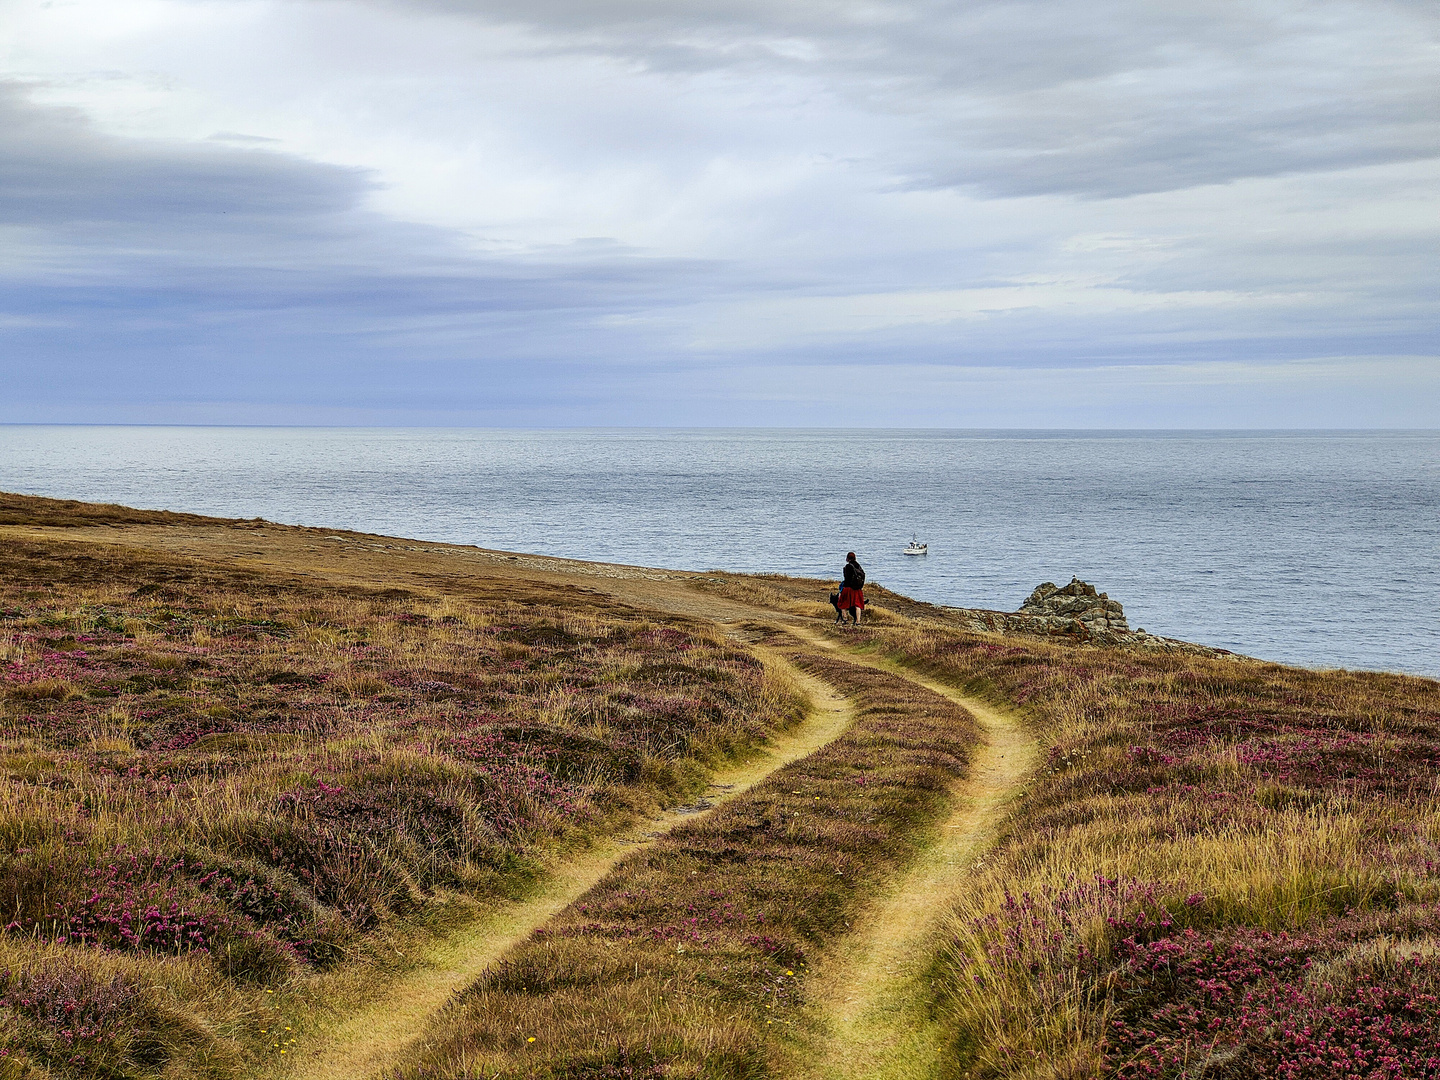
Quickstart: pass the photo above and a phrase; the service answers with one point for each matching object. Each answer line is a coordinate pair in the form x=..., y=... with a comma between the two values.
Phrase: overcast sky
x=1072, y=213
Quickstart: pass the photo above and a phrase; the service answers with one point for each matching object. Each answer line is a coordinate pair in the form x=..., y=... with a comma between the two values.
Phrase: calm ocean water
x=1311, y=548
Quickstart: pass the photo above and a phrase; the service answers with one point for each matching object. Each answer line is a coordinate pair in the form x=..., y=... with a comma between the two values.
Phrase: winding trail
x=365, y=1041
x=871, y=997
x=871, y=1005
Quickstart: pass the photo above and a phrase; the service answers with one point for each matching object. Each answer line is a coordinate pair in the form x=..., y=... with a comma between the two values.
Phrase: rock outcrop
x=1076, y=612
x=1076, y=603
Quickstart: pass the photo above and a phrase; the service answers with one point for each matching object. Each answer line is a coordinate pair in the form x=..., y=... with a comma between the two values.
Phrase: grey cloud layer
x=135, y=270
x=223, y=269
x=1062, y=96
x=55, y=168
x=122, y=207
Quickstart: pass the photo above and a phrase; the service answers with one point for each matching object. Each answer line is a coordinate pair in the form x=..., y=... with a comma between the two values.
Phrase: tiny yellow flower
x=530, y=1039
x=787, y=973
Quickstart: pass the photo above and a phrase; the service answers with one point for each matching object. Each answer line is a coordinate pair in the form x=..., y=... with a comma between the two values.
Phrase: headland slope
x=270, y=793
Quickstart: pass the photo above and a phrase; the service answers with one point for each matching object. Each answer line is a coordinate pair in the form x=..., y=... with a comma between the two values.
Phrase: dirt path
x=365, y=1041
x=872, y=1007
x=871, y=1000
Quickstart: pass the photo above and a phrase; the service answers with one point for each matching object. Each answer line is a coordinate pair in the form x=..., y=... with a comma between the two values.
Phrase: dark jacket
x=854, y=576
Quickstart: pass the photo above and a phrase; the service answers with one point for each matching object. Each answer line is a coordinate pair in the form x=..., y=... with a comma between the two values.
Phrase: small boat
x=916, y=548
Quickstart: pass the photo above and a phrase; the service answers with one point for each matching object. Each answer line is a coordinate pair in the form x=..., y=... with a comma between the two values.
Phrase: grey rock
x=1080, y=604
x=1077, y=613
x=1041, y=593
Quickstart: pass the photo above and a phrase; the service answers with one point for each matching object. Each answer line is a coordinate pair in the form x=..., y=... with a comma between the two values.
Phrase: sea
x=1313, y=548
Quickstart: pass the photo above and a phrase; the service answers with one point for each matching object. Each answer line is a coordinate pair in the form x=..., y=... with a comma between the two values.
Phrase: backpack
x=858, y=575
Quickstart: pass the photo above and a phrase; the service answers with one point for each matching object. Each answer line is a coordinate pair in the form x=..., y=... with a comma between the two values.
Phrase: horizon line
x=848, y=429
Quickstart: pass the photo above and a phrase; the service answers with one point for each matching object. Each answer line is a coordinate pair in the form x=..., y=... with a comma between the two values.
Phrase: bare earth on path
x=871, y=1001
x=369, y=1039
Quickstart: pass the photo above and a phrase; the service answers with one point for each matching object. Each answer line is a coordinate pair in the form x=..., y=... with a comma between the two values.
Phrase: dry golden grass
x=692, y=958
x=1216, y=808
x=251, y=781
x=1223, y=869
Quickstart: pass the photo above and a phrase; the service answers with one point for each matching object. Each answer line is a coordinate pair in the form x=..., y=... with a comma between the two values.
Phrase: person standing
x=852, y=589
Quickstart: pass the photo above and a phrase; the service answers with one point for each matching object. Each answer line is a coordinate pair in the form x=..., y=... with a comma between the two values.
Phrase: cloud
x=1100, y=98
x=666, y=211
x=56, y=169
x=1328, y=391
x=237, y=137
x=137, y=268
x=87, y=209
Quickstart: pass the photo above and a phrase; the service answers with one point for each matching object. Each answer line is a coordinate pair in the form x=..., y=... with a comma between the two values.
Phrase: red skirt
x=851, y=598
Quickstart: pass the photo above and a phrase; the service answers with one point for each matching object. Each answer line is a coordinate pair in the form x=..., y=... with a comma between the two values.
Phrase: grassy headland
x=219, y=781
x=244, y=768
x=1226, y=869
x=692, y=958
